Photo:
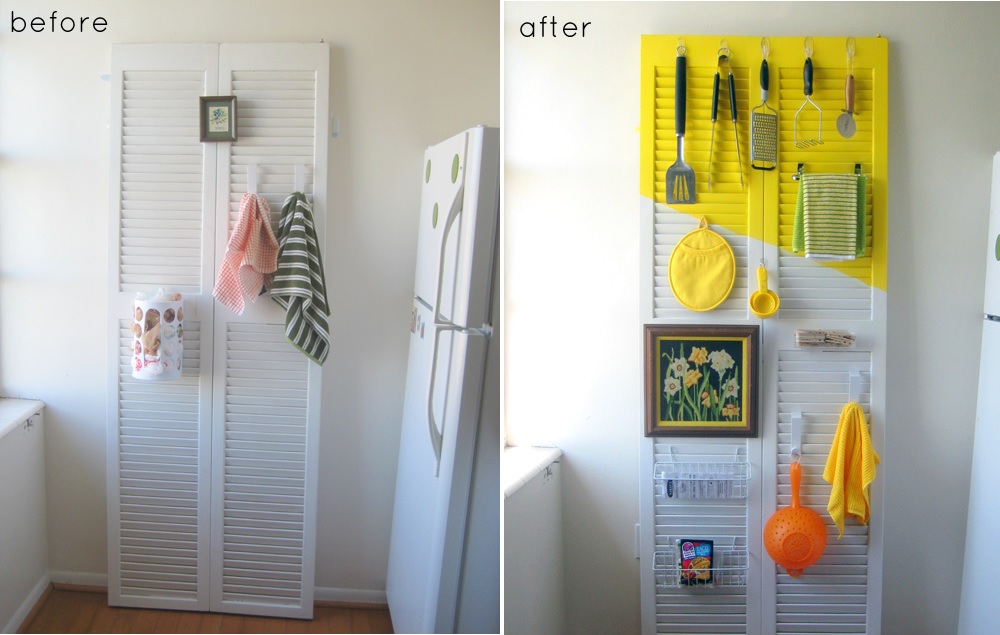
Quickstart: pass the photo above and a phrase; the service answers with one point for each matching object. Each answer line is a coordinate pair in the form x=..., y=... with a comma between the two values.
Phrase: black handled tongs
x=724, y=66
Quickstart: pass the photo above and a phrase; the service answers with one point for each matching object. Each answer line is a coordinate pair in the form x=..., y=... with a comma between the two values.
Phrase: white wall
x=403, y=75
x=573, y=348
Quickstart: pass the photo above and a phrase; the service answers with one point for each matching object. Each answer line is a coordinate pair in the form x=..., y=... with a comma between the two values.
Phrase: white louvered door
x=841, y=592
x=266, y=397
x=211, y=478
x=162, y=183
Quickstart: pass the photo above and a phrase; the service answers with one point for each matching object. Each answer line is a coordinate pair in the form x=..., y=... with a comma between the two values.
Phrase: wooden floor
x=72, y=611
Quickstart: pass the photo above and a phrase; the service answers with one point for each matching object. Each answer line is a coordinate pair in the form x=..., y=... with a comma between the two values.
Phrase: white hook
x=854, y=390
x=300, y=177
x=796, y=451
x=252, y=178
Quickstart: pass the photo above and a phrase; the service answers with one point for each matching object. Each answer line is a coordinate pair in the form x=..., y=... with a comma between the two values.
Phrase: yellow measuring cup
x=763, y=303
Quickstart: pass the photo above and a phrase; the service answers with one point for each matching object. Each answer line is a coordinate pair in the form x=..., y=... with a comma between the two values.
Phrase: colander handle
x=795, y=473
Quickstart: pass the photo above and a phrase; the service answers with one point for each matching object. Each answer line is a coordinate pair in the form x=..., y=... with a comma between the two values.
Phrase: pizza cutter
x=845, y=122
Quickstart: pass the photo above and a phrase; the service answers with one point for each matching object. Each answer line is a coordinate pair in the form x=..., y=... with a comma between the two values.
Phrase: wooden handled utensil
x=845, y=122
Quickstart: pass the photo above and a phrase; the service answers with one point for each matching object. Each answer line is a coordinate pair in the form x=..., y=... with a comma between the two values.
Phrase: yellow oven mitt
x=702, y=269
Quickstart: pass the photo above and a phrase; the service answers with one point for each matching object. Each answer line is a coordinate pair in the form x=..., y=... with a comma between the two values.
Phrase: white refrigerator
x=444, y=555
x=977, y=613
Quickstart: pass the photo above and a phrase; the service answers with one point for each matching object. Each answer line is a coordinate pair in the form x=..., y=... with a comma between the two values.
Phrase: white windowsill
x=520, y=464
x=13, y=412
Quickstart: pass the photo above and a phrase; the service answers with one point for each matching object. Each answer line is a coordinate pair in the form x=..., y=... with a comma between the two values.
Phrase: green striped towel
x=830, y=216
x=299, y=284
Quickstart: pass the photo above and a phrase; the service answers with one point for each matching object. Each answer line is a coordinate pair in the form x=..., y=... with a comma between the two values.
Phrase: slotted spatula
x=680, y=175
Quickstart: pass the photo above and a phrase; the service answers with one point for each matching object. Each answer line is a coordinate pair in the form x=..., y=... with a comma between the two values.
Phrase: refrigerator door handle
x=436, y=434
x=456, y=209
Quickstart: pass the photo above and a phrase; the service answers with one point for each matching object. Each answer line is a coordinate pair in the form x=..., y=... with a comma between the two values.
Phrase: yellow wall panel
x=764, y=207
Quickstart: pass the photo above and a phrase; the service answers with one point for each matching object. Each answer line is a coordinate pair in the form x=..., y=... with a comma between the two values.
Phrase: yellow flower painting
x=703, y=379
x=710, y=388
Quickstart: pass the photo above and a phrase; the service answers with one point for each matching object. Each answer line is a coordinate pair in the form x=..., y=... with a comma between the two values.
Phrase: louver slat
x=158, y=448
x=160, y=233
x=264, y=496
x=277, y=122
x=832, y=596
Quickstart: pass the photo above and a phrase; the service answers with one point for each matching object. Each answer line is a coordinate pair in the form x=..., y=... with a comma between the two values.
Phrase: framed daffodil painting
x=701, y=380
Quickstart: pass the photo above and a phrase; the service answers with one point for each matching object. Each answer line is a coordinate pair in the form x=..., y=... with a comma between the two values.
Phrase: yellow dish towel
x=850, y=468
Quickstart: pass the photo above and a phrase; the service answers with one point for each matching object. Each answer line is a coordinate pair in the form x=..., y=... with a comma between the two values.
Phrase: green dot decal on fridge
x=454, y=169
x=434, y=216
x=427, y=172
x=996, y=248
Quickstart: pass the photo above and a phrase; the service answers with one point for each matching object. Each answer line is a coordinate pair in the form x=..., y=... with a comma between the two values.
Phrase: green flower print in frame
x=701, y=380
x=218, y=118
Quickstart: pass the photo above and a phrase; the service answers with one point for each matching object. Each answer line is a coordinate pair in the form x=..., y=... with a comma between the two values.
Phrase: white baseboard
x=26, y=606
x=320, y=594
x=79, y=578
x=358, y=596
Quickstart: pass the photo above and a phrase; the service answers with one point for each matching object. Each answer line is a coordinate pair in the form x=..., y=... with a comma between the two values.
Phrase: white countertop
x=13, y=412
x=519, y=464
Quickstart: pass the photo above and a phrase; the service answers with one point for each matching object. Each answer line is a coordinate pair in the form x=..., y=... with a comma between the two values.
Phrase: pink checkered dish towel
x=251, y=255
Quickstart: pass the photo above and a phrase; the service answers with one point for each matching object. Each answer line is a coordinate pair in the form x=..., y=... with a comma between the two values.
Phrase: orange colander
x=795, y=537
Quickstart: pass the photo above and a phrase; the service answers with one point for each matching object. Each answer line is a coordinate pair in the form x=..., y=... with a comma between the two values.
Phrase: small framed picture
x=218, y=118
x=701, y=380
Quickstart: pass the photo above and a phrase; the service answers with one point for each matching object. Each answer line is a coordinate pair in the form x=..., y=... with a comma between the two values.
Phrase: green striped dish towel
x=830, y=216
x=299, y=284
